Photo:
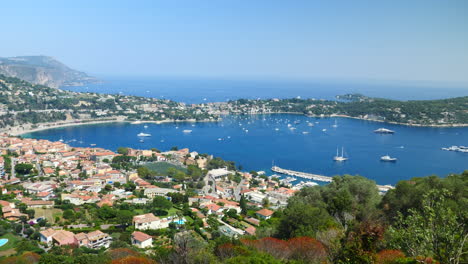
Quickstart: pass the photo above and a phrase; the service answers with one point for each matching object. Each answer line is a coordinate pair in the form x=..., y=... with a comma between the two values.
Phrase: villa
x=141, y=240
x=149, y=221
x=94, y=240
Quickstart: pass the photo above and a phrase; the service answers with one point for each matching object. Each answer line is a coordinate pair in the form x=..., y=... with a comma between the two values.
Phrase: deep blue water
x=417, y=149
x=197, y=90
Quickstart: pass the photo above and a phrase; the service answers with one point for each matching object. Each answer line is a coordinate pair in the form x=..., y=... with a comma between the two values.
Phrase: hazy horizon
x=363, y=41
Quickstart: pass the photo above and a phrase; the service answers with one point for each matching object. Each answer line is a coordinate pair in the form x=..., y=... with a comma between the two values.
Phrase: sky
x=400, y=40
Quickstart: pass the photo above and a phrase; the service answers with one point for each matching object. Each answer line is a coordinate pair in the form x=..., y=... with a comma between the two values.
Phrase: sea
x=294, y=142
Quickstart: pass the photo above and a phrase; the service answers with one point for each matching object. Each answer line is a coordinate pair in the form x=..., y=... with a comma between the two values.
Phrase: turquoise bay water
x=417, y=148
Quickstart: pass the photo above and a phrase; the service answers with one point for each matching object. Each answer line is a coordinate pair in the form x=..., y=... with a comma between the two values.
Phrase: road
x=237, y=191
x=209, y=189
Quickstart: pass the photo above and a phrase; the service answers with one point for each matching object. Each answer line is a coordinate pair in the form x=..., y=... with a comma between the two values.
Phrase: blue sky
x=372, y=40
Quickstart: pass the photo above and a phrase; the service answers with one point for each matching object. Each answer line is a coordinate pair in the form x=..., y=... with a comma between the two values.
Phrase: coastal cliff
x=43, y=70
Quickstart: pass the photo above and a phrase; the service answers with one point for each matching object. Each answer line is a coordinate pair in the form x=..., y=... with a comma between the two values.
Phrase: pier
x=316, y=177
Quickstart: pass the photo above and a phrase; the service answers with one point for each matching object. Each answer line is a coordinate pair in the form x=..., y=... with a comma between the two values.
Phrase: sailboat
x=338, y=157
x=335, y=125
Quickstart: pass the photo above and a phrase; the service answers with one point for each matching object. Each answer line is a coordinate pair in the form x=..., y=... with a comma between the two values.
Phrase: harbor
x=316, y=177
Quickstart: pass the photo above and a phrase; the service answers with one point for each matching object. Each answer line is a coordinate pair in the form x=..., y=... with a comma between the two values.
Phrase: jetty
x=316, y=177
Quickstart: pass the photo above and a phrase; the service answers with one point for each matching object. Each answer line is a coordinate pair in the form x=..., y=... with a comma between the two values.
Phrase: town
x=56, y=194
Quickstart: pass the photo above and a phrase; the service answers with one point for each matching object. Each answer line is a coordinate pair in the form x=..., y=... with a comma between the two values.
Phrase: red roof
x=213, y=207
x=265, y=212
x=140, y=236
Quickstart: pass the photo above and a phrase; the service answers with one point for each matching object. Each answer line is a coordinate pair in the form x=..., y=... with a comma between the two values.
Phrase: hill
x=43, y=70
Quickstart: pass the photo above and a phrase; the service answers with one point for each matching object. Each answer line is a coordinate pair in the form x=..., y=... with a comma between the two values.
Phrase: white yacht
x=187, y=131
x=338, y=157
x=388, y=158
x=144, y=135
x=384, y=131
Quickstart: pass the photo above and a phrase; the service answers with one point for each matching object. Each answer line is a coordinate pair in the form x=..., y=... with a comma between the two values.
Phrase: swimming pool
x=3, y=241
x=180, y=221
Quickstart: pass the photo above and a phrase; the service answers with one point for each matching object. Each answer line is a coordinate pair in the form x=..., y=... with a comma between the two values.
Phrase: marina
x=316, y=177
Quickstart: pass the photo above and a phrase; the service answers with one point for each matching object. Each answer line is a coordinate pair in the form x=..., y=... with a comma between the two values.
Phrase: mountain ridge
x=43, y=70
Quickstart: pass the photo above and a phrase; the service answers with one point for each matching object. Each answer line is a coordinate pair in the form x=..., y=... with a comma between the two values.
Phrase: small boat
x=276, y=129
x=144, y=135
x=142, y=141
x=187, y=131
x=338, y=157
x=388, y=158
x=219, y=139
x=310, y=124
x=335, y=125
x=145, y=126
x=384, y=131
x=305, y=132
x=136, y=122
x=92, y=145
x=324, y=130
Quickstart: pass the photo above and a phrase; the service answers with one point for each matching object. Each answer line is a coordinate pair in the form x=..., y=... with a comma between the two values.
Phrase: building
x=149, y=221
x=37, y=203
x=153, y=192
x=264, y=213
x=94, y=240
x=141, y=240
x=57, y=237
x=2, y=166
x=219, y=173
x=10, y=212
x=101, y=156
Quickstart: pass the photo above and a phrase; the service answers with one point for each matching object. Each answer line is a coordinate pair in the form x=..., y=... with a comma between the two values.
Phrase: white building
x=149, y=221
x=219, y=173
x=141, y=240
x=153, y=192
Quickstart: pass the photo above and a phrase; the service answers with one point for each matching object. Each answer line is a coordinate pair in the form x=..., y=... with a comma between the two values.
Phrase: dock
x=316, y=177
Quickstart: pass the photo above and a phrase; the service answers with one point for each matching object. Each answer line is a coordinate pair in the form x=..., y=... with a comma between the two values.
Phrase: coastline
x=22, y=130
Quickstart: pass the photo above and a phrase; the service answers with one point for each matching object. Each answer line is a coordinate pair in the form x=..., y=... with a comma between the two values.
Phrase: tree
x=303, y=219
x=68, y=214
x=435, y=230
x=106, y=212
x=124, y=217
x=350, y=198
x=30, y=213
x=162, y=203
x=144, y=172
x=122, y=150
x=23, y=168
x=243, y=205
